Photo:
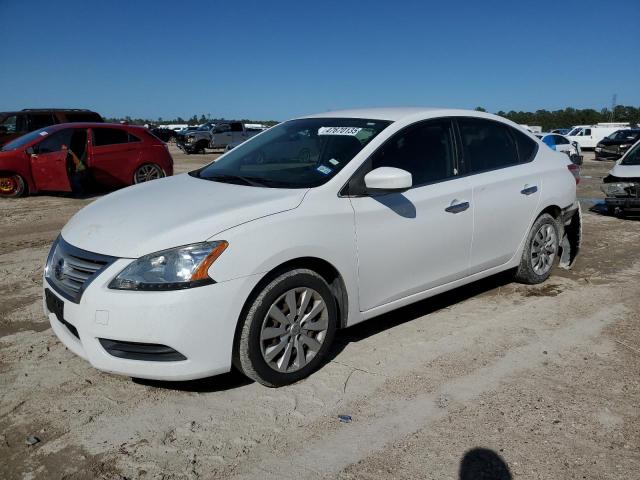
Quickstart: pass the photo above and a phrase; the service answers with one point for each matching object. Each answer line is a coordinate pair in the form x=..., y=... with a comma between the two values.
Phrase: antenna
x=613, y=106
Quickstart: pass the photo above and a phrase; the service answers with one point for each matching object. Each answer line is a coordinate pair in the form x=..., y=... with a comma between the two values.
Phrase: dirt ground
x=540, y=382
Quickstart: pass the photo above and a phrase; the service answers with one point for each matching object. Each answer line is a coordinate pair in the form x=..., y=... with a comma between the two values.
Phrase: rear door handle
x=529, y=190
x=457, y=207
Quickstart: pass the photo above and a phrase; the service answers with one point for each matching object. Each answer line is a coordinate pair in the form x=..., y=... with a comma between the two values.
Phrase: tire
x=266, y=350
x=147, y=172
x=12, y=185
x=544, y=236
x=200, y=148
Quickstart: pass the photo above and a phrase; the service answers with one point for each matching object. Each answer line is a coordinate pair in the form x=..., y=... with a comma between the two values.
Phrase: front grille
x=70, y=270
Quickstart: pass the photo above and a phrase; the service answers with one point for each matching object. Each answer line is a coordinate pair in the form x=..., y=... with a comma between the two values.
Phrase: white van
x=588, y=136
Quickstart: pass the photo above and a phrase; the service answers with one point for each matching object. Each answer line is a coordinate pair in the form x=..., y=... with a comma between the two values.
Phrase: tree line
x=193, y=120
x=548, y=120
x=568, y=117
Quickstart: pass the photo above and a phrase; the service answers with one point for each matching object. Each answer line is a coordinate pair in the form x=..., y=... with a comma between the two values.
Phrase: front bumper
x=186, y=147
x=199, y=323
x=624, y=203
x=606, y=154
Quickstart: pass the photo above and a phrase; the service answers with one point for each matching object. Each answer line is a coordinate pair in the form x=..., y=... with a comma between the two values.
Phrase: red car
x=114, y=155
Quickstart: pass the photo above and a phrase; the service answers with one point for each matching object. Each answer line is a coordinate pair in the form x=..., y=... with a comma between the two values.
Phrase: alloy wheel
x=148, y=172
x=11, y=186
x=544, y=246
x=294, y=329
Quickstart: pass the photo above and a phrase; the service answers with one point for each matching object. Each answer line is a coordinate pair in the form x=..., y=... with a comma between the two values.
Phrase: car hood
x=625, y=171
x=608, y=142
x=171, y=212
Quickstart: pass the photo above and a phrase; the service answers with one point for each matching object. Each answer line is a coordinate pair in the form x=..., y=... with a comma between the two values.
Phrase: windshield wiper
x=220, y=177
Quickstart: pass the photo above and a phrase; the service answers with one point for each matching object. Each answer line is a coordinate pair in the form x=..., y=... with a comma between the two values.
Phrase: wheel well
x=322, y=268
x=552, y=210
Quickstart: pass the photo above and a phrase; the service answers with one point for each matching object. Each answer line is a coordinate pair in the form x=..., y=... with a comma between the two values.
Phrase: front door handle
x=529, y=190
x=457, y=207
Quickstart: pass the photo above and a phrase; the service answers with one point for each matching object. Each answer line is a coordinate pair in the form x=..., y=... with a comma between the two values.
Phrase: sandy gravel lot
x=545, y=377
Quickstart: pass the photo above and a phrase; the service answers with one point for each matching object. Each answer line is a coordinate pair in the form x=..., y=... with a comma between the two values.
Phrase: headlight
x=173, y=269
x=616, y=189
x=622, y=147
x=190, y=139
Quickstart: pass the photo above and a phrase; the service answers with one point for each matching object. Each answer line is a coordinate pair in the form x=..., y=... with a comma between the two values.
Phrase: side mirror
x=388, y=179
x=30, y=151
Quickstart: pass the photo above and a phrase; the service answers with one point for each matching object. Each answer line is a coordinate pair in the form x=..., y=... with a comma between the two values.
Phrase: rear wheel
x=287, y=330
x=12, y=185
x=540, y=252
x=147, y=172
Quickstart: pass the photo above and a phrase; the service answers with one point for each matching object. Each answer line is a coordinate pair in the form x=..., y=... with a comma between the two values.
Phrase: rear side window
x=236, y=127
x=550, y=140
x=133, y=138
x=41, y=120
x=486, y=145
x=83, y=117
x=560, y=140
x=425, y=150
x=109, y=136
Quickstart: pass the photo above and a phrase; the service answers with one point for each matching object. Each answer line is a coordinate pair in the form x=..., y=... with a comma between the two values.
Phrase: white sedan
x=560, y=143
x=255, y=262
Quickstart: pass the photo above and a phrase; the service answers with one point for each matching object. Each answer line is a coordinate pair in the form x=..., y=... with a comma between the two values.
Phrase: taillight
x=575, y=170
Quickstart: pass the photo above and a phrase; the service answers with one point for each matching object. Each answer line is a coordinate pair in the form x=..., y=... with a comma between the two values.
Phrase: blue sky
x=278, y=59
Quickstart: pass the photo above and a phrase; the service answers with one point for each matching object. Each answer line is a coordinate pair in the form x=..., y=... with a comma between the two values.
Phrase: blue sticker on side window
x=323, y=169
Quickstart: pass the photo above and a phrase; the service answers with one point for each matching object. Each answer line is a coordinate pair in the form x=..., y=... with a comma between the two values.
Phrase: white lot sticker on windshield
x=44, y=134
x=334, y=162
x=352, y=131
x=325, y=170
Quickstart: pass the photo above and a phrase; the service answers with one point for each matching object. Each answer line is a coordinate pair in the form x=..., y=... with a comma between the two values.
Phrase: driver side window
x=54, y=142
x=424, y=149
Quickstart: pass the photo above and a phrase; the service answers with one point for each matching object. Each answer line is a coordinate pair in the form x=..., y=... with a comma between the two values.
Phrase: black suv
x=616, y=144
x=15, y=124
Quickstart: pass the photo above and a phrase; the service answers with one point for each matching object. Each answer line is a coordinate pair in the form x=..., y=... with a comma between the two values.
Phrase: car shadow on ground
x=356, y=333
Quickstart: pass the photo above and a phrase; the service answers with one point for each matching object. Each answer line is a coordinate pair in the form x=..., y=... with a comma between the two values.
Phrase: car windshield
x=624, y=134
x=296, y=154
x=574, y=132
x=632, y=157
x=25, y=139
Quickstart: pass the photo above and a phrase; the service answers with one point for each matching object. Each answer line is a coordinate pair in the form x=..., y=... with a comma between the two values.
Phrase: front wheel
x=540, y=252
x=12, y=185
x=147, y=172
x=287, y=329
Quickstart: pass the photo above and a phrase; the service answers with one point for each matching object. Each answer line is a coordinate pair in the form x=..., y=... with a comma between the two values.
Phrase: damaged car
x=255, y=260
x=622, y=185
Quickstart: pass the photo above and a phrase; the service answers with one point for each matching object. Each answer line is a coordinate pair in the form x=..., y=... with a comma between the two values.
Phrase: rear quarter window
x=527, y=147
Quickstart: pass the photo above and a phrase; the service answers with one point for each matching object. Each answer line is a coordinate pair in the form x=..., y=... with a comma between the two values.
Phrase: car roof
x=59, y=126
x=397, y=113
